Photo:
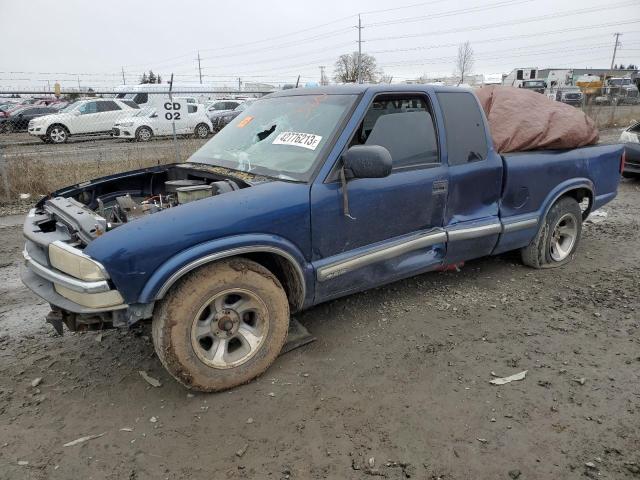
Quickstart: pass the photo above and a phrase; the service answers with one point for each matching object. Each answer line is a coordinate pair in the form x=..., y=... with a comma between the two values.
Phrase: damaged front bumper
x=54, y=270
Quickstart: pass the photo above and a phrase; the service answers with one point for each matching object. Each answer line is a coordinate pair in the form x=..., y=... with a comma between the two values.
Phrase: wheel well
x=580, y=195
x=57, y=125
x=284, y=272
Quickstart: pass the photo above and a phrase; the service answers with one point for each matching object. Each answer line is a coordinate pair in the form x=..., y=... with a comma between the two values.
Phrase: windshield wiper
x=265, y=133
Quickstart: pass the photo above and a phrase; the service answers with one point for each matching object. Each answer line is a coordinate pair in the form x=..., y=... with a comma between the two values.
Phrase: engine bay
x=95, y=207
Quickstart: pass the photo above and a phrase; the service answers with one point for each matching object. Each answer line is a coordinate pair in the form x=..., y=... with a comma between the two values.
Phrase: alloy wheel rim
x=58, y=135
x=202, y=131
x=229, y=328
x=144, y=134
x=563, y=237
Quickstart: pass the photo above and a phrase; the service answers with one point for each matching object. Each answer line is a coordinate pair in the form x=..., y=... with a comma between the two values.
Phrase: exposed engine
x=128, y=207
x=89, y=210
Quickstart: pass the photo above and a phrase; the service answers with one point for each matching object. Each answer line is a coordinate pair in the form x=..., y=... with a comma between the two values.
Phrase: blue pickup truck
x=308, y=195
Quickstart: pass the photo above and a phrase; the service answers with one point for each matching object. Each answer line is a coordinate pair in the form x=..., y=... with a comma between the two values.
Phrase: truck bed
x=533, y=180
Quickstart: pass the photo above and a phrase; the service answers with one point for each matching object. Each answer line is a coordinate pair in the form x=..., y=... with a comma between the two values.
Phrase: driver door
x=394, y=226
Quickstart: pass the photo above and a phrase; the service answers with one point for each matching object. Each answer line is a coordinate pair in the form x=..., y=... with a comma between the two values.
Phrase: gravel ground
x=396, y=386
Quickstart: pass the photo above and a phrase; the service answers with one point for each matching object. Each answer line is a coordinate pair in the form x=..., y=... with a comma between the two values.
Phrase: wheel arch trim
x=563, y=189
x=162, y=288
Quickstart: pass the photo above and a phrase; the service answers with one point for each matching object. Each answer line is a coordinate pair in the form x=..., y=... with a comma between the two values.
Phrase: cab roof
x=356, y=89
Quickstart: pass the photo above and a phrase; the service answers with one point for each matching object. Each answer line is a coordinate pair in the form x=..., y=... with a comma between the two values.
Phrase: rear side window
x=464, y=127
x=130, y=103
x=108, y=106
x=192, y=108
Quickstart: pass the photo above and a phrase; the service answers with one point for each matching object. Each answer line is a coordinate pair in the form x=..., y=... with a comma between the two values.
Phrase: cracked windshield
x=279, y=137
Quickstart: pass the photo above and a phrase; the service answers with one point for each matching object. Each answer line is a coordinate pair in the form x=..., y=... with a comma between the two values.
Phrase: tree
x=144, y=79
x=152, y=77
x=346, y=68
x=622, y=67
x=464, y=61
x=158, y=79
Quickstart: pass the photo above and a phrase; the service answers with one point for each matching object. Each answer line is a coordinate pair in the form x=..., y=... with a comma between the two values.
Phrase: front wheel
x=222, y=325
x=557, y=240
x=58, y=134
x=202, y=130
x=144, y=134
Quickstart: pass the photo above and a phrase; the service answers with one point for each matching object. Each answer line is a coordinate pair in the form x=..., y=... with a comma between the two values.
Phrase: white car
x=84, y=117
x=146, y=124
x=217, y=106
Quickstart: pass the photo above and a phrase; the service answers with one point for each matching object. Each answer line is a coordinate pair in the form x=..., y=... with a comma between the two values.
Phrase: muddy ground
x=396, y=386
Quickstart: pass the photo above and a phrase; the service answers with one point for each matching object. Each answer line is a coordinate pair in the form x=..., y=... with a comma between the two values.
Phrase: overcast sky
x=274, y=41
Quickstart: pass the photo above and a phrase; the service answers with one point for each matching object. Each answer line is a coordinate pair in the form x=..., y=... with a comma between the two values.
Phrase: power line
x=511, y=37
x=505, y=23
x=461, y=11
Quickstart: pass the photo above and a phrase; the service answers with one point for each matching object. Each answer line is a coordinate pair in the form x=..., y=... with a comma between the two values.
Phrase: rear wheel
x=58, y=134
x=222, y=325
x=558, y=238
x=144, y=134
x=202, y=130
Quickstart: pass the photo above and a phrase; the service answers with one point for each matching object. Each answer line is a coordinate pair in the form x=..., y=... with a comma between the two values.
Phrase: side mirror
x=155, y=115
x=367, y=161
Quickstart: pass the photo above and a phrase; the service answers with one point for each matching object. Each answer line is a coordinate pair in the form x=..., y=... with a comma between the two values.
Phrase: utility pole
x=199, y=68
x=78, y=83
x=323, y=78
x=239, y=84
x=359, y=49
x=615, y=49
x=124, y=80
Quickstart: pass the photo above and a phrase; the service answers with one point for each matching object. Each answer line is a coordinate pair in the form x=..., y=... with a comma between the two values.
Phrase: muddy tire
x=558, y=238
x=222, y=325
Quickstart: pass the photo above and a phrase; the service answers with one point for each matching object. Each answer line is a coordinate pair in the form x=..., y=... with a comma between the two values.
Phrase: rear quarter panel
x=533, y=181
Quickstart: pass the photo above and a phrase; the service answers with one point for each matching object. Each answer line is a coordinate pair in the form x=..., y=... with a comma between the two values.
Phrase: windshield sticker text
x=244, y=122
x=304, y=140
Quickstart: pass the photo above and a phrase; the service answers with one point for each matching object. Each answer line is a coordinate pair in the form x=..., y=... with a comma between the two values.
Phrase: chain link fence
x=48, y=141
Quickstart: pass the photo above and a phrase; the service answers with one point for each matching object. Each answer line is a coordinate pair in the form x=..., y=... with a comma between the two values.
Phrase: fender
x=183, y=262
x=561, y=189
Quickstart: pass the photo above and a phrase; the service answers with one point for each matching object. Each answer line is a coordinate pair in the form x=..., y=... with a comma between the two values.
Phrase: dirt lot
x=396, y=386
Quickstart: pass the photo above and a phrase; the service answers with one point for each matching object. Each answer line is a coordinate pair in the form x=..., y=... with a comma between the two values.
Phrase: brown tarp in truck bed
x=522, y=120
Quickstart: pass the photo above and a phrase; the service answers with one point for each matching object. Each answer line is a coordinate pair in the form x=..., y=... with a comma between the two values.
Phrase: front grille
x=572, y=96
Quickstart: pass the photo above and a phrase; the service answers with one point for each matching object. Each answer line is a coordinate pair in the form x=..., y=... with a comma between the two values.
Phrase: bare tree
x=346, y=68
x=464, y=62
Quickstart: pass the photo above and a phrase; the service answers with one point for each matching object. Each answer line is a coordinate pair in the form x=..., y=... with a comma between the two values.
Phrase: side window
x=464, y=127
x=192, y=108
x=532, y=74
x=108, y=106
x=141, y=98
x=232, y=105
x=403, y=125
x=219, y=106
x=89, y=107
x=131, y=103
x=519, y=75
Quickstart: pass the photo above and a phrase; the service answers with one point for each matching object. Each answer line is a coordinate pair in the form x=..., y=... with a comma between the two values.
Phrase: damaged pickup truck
x=307, y=196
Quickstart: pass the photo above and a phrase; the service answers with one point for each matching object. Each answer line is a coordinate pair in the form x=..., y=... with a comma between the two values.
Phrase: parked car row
x=115, y=117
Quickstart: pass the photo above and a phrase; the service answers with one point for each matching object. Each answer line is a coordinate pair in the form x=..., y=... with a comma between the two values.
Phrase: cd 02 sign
x=173, y=110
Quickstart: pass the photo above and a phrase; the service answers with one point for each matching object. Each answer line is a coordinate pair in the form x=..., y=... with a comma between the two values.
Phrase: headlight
x=125, y=124
x=75, y=263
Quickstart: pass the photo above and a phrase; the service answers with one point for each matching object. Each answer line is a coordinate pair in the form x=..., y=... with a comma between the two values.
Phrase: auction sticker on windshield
x=297, y=139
